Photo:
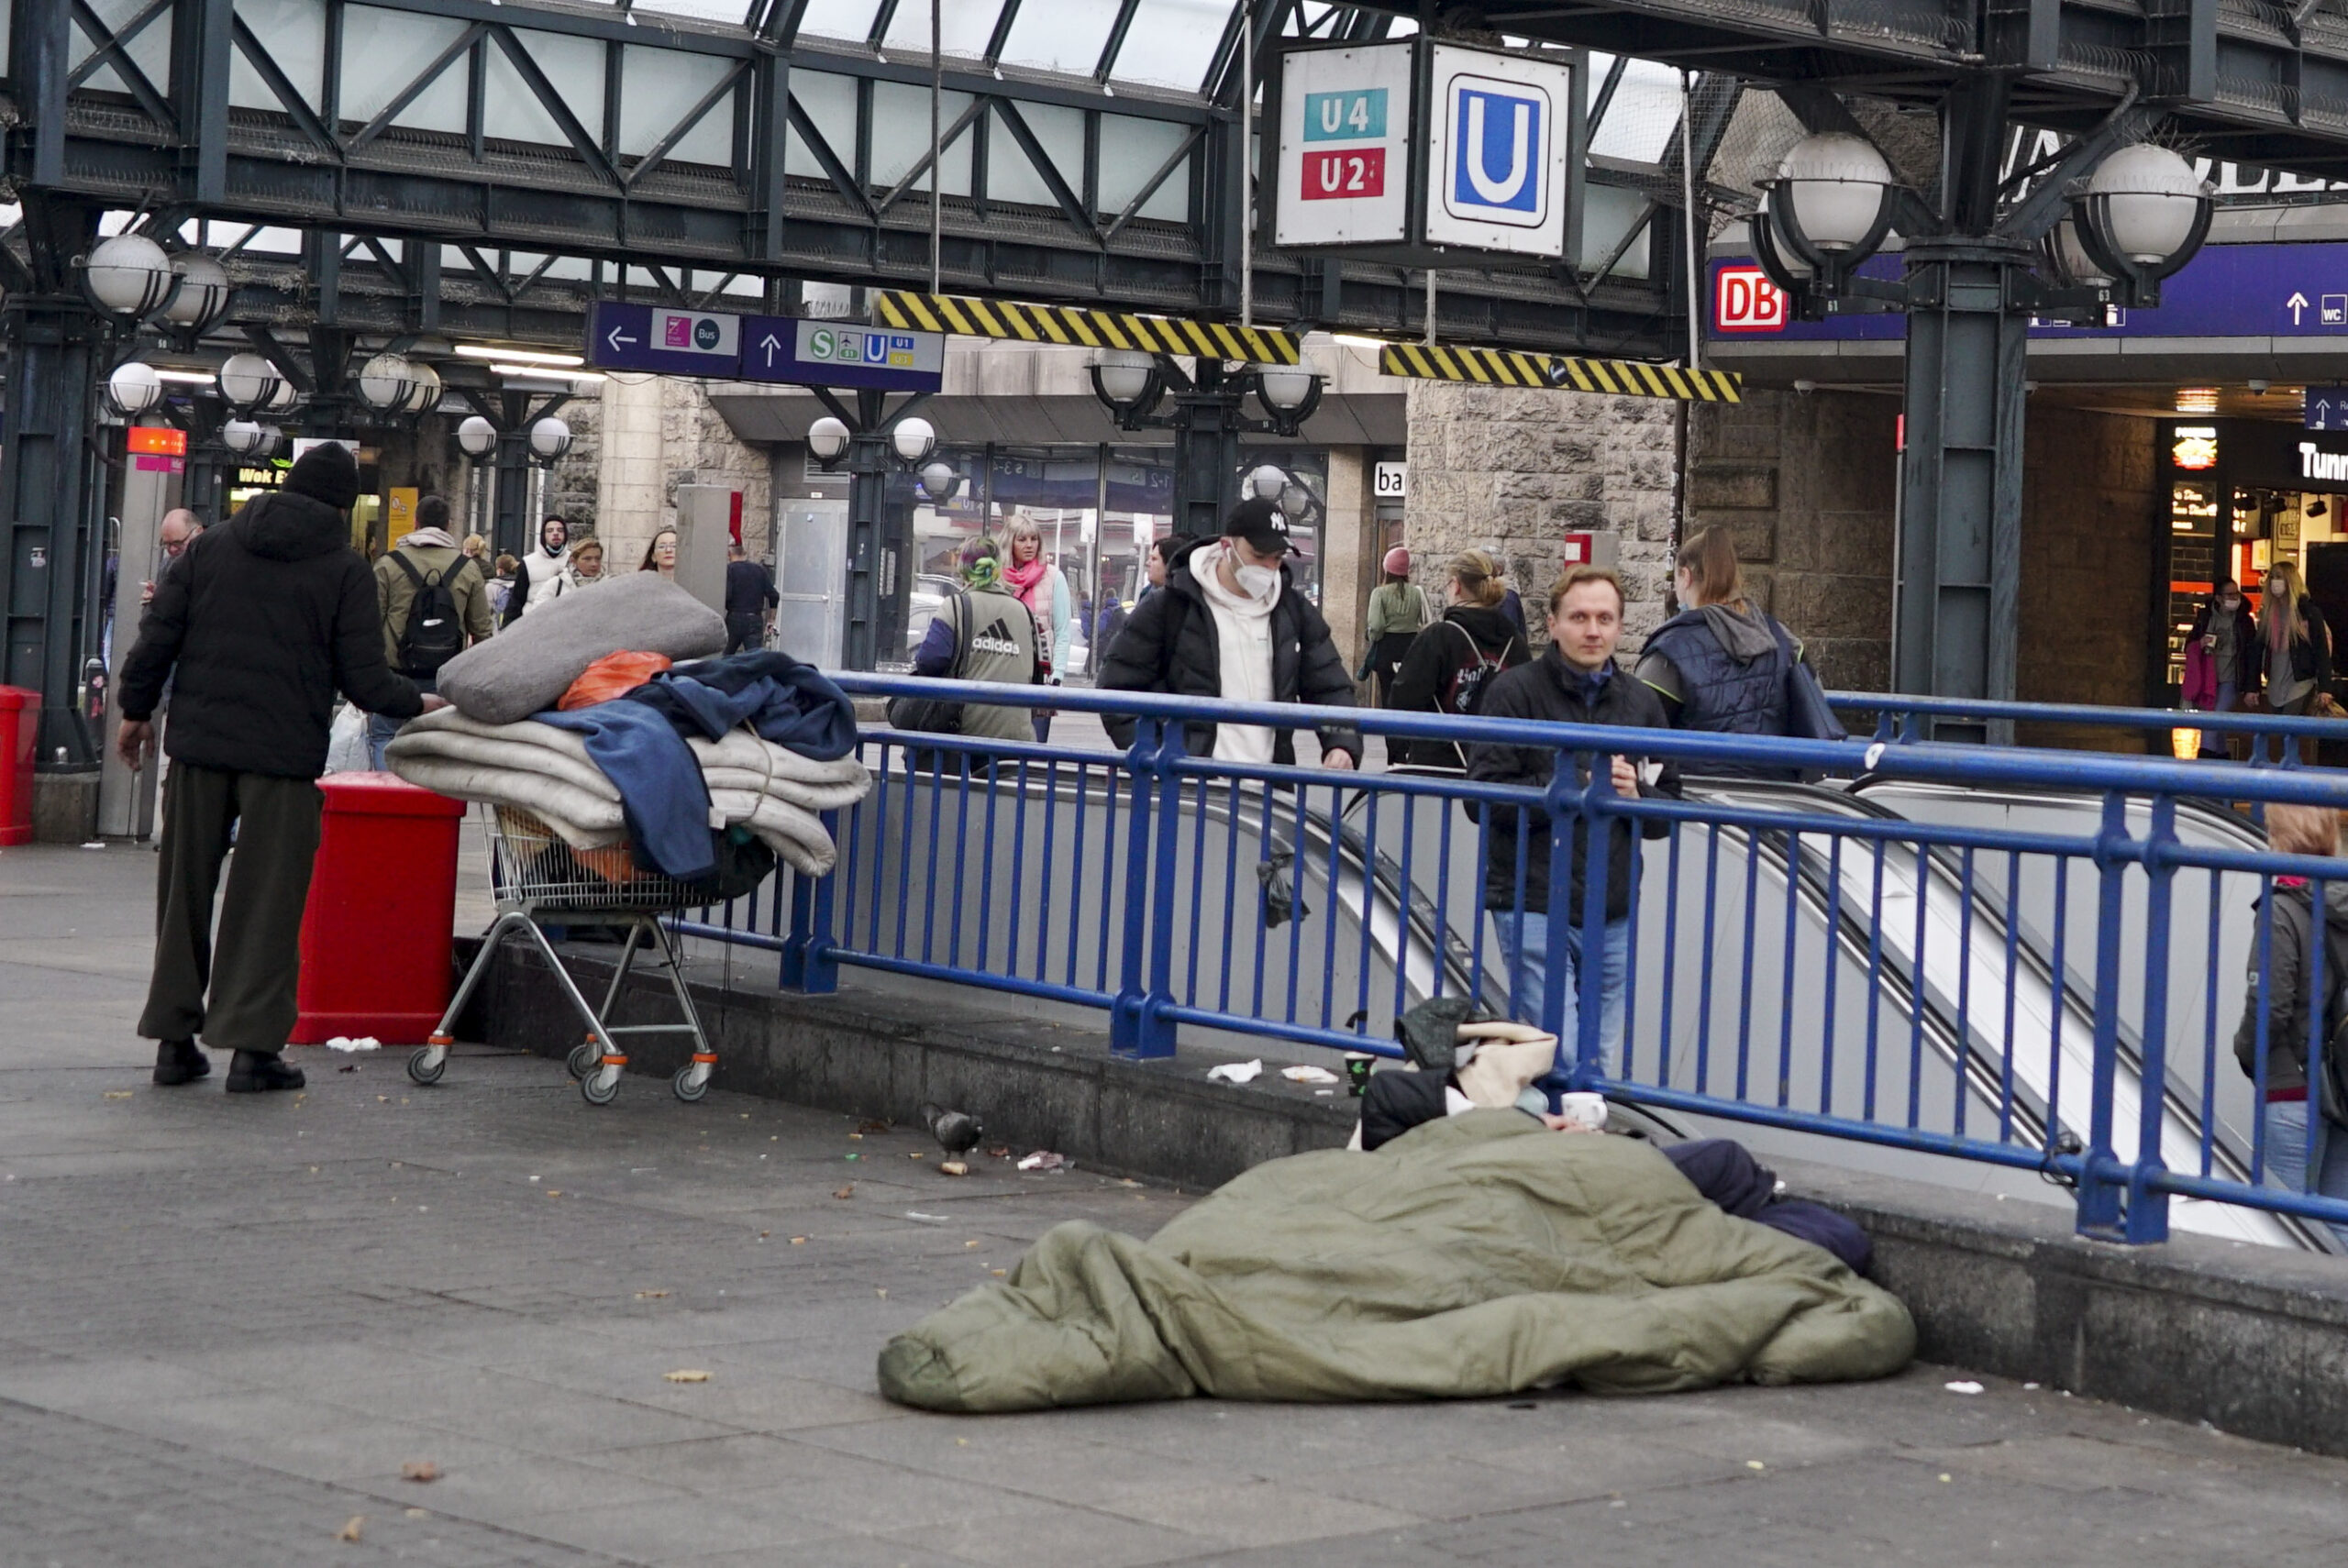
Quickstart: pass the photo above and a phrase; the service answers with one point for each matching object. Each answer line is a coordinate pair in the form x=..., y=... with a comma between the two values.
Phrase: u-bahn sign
x=1409, y=152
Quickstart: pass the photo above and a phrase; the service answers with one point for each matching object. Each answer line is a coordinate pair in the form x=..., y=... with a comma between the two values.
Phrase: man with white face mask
x=1231, y=624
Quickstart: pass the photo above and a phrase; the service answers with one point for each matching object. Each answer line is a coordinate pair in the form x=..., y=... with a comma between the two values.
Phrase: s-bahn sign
x=1409, y=152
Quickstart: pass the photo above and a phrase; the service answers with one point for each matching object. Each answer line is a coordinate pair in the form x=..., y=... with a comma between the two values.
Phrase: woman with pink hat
x=1398, y=612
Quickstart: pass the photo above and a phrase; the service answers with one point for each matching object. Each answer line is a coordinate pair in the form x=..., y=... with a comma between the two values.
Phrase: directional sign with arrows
x=841, y=354
x=657, y=337
x=2327, y=408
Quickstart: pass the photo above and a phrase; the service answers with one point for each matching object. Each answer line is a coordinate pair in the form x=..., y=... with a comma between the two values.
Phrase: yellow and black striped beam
x=1556, y=373
x=1083, y=328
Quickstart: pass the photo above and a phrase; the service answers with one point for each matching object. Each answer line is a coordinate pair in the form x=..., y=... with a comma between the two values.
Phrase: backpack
x=1471, y=677
x=434, y=633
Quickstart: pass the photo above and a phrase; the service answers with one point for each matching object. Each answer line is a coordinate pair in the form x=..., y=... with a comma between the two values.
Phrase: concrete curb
x=2249, y=1338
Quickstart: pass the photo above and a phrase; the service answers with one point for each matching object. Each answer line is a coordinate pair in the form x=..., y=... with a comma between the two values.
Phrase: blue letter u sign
x=1497, y=154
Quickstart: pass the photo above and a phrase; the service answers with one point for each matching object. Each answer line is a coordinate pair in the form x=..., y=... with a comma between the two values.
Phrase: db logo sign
x=1745, y=300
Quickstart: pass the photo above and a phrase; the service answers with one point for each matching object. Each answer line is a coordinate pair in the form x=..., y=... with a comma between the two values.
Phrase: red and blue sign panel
x=2227, y=291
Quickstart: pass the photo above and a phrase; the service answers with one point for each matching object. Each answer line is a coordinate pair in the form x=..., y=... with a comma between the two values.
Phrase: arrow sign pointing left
x=616, y=340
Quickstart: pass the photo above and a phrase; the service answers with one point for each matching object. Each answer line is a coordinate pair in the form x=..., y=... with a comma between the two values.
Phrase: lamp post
x=2098, y=232
x=877, y=443
x=477, y=438
x=550, y=440
x=1208, y=419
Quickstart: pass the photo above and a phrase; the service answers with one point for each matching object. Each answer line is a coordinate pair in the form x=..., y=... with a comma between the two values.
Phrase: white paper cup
x=1585, y=1111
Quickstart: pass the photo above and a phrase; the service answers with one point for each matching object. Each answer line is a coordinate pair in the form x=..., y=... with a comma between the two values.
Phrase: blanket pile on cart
x=772, y=790
x=1480, y=1255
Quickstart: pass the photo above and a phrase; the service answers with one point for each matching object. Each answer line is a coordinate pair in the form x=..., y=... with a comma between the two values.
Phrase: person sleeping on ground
x=1472, y=1252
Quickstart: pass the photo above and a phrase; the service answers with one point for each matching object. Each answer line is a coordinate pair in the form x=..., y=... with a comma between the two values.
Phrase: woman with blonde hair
x=1036, y=582
x=2294, y=653
x=1451, y=664
x=1724, y=665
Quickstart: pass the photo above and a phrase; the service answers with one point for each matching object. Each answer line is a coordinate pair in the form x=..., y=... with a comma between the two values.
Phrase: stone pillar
x=1345, y=541
x=1807, y=482
x=1511, y=472
x=630, y=470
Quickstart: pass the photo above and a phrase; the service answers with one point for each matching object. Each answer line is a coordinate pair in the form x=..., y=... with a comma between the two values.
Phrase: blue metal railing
x=1792, y=957
x=2265, y=737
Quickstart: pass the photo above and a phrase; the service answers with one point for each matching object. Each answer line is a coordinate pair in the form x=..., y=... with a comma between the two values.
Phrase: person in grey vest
x=1720, y=665
x=985, y=632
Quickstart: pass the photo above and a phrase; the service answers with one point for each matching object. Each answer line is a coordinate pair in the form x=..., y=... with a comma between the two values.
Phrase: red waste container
x=375, y=937
x=20, y=735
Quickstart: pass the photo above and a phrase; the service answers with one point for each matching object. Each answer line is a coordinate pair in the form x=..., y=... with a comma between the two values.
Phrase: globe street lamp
x=425, y=395
x=387, y=382
x=827, y=438
x=134, y=388
x=477, y=436
x=247, y=440
x=1823, y=214
x=2142, y=216
x=1207, y=419
x=913, y=439
x=204, y=295
x=247, y=382
x=128, y=277
x=939, y=480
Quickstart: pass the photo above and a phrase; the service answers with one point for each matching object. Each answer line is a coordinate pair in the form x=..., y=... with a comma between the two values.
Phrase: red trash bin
x=376, y=948
x=20, y=739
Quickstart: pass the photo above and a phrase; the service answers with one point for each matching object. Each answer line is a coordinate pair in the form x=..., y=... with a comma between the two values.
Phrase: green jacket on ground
x=1475, y=1256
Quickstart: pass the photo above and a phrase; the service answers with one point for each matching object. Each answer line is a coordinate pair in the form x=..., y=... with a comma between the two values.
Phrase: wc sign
x=1745, y=300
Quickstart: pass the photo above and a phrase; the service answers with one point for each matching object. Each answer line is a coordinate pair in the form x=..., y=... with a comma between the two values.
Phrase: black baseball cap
x=1262, y=523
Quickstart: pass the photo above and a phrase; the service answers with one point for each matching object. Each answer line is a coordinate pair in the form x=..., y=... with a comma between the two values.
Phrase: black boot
x=179, y=1062
x=257, y=1071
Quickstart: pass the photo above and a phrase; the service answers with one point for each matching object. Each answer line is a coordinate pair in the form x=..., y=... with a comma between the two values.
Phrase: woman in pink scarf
x=1039, y=585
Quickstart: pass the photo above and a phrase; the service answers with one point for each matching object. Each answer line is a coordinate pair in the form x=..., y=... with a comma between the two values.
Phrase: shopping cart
x=540, y=879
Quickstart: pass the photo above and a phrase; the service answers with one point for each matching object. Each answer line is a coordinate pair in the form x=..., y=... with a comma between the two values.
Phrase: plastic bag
x=346, y=742
x=613, y=674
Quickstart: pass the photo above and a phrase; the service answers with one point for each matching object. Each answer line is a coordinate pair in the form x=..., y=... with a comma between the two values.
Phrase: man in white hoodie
x=1231, y=624
x=427, y=574
x=540, y=575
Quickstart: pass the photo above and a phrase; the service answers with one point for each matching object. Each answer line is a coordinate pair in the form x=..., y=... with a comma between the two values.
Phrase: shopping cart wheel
x=692, y=1081
x=584, y=1057
x=601, y=1086
x=428, y=1063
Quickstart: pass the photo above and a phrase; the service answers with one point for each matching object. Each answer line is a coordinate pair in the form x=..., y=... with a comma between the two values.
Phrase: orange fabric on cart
x=613, y=674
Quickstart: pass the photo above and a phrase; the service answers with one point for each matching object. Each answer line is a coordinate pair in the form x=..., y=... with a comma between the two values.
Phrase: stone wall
x=1512, y=472
x=1809, y=484
x=660, y=432
x=2091, y=538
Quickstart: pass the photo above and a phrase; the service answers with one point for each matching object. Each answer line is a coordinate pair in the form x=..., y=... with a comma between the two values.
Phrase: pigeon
x=957, y=1131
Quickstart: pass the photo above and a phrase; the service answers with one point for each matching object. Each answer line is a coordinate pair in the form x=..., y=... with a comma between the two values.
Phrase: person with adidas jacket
x=1453, y=662
x=986, y=633
x=425, y=581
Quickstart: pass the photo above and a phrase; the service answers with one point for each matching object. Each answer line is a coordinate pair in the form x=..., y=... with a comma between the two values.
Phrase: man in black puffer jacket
x=1230, y=623
x=258, y=626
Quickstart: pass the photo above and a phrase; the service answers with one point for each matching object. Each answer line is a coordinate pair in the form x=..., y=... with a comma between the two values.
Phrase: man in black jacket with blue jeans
x=1576, y=681
x=257, y=625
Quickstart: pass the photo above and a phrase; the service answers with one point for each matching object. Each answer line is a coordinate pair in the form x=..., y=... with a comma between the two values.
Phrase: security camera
x=2258, y=389
x=1805, y=388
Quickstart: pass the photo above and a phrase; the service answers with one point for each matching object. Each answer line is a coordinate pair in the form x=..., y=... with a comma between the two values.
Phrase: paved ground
x=227, y=1326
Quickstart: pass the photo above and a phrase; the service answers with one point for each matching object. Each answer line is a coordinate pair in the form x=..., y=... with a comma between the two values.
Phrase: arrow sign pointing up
x=770, y=343
x=2296, y=303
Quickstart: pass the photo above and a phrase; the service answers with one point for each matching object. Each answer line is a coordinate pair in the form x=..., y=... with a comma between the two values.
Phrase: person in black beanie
x=257, y=627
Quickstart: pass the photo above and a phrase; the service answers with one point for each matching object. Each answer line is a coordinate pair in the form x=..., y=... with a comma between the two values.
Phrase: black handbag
x=932, y=715
x=1807, y=716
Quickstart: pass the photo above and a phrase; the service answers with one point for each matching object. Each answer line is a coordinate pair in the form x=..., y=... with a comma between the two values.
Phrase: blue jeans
x=1524, y=950
x=380, y=730
x=2211, y=740
x=2287, y=1154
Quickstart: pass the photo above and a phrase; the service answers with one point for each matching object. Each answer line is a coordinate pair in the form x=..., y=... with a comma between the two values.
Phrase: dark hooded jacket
x=1466, y=632
x=1169, y=647
x=1551, y=691
x=1723, y=671
x=2286, y=950
x=260, y=622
